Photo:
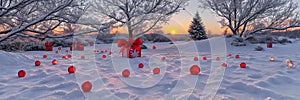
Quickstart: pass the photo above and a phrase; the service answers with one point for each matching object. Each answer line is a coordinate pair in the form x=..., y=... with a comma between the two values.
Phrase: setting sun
x=173, y=31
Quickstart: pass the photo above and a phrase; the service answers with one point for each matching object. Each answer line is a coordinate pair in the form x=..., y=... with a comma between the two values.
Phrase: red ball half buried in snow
x=44, y=56
x=126, y=73
x=86, y=86
x=71, y=69
x=243, y=65
x=224, y=65
x=229, y=55
x=195, y=70
x=37, y=63
x=153, y=47
x=21, y=73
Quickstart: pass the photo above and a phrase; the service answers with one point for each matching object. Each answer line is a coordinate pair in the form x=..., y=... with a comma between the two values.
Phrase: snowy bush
x=22, y=44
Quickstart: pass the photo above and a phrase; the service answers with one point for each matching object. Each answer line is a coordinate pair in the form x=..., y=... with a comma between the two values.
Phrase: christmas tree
x=197, y=30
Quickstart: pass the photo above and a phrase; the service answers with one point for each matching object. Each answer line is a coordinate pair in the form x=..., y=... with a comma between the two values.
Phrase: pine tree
x=197, y=30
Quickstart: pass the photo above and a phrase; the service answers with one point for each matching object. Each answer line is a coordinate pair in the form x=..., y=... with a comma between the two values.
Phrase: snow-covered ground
x=261, y=79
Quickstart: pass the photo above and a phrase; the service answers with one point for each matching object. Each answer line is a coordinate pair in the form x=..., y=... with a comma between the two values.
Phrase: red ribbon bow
x=131, y=43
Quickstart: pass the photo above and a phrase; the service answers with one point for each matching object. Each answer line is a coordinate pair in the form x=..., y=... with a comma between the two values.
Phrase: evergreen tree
x=197, y=30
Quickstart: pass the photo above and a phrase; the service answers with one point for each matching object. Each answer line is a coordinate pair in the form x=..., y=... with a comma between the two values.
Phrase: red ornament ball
x=37, y=63
x=56, y=52
x=110, y=53
x=237, y=56
x=196, y=59
x=67, y=51
x=21, y=73
x=243, y=65
x=44, y=56
x=103, y=56
x=54, y=62
x=163, y=58
x=69, y=56
x=229, y=55
x=86, y=86
x=156, y=70
x=204, y=58
x=71, y=69
x=141, y=65
x=126, y=73
x=195, y=70
x=64, y=57
x=153, y=47
x=59, y=48
x=218, y=58
x=224, y=65
x=82, y=57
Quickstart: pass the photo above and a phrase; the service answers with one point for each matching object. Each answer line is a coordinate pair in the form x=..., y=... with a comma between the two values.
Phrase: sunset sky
x=180, y=22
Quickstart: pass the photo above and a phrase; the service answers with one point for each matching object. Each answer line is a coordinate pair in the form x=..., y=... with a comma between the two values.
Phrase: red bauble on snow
x=156, y=70
x=126, y=73
x=67, y=51
x=21, y=73
x=229, y=55
x=237, y=56
x=196, y=59
x=59, y=48
x=82, y=57
x=110, y=53
x=69, y=56
x=270, y=45
x=71, y=69
x=64, y=57
x=56, y=52
x=71, y=48
x=163, y=58
x=224, y=65
x=91, y=43
x=195, y=70
x=218, y=58
x=86, y=86
x=243, y=65
x=44, y=56
x=54, y=62
x=37, y=63
x=153, y=47
x=204, y=58
x=141, y=65
x=103, y=56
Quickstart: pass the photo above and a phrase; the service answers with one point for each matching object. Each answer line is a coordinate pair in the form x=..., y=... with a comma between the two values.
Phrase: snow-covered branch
x=137, y=15
x=243, y=16
x=37, y=16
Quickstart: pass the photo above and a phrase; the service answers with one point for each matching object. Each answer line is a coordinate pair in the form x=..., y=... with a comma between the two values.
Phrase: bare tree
x=138, y=16
x=37, y=16
x=250, y=16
